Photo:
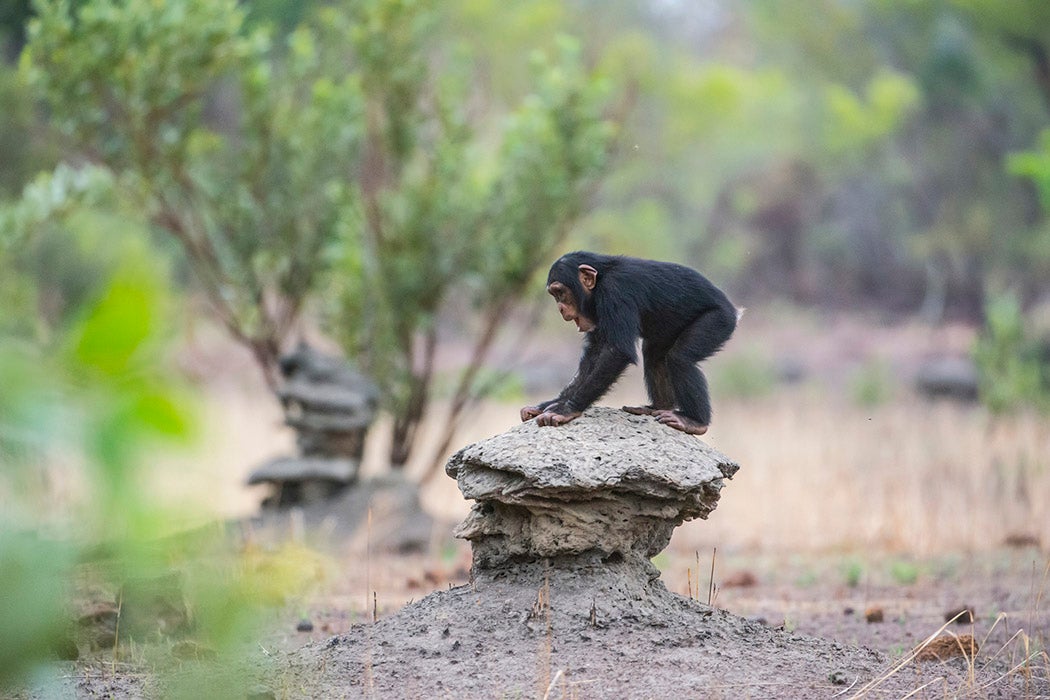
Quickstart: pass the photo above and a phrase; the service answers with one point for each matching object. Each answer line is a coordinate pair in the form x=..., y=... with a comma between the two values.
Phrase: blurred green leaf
x=118, y=326
x=34, y=576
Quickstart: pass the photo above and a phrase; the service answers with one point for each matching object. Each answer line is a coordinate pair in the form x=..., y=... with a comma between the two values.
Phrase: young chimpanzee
x=681, y=317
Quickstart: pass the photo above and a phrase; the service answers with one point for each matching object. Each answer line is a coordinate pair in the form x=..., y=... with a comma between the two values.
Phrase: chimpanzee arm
x=600, y=366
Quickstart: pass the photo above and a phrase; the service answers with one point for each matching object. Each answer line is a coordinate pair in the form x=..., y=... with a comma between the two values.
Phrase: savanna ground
x=854, y=494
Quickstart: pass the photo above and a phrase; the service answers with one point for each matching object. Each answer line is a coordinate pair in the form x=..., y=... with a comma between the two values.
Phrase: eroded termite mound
x=608, y=488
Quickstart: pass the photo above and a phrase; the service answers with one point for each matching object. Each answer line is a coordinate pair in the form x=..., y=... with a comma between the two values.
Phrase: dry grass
x=817, y=472
x=921, y=477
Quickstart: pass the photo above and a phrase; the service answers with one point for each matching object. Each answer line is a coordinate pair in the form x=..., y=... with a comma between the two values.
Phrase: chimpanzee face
x=568, y=308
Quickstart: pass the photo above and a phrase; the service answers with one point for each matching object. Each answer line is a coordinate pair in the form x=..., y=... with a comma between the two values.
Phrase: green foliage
x=1034, y=165
x=96, y=390
x=253, y=197
x=60, y=236
x=98, y=387
x=744, y=376
x=1012, y=373
x=554, y=147
x=905, y=573
x=34, y=573
x=807, y=578
x=22, y=140
x=349, y=149
x=852, y=572
x=856, y=123
x=456, y=213
x=872, y=384
x=126, y=77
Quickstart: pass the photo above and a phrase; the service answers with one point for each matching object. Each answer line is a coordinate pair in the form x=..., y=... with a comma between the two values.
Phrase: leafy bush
x=1011, y=371
x=96, y=386
x=745, y=376
x=348, y=167
x=872, y=384
x=904, y=573
x=852, y=572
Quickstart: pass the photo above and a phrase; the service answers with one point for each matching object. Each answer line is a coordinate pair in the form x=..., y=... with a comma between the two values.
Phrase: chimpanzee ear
x=588, y=277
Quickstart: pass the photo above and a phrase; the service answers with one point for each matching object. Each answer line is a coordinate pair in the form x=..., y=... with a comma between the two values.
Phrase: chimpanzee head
x=572, y=283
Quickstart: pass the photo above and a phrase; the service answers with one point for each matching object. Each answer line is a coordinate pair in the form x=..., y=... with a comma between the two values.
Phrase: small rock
x=963, y=615
x=740, y=579
x=838, y=678
x=847, y=611
x=1020, y=540
x=948, y=377
x=304, y=626
x=874, y=614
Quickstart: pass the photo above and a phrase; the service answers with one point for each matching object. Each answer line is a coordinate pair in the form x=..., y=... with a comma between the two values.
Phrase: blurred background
x=193, y=191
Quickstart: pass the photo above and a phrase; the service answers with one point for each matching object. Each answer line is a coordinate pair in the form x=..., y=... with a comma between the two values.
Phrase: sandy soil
x=572, y=637
x=781, y=627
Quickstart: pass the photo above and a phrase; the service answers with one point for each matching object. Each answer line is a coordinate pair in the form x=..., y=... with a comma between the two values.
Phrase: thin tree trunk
x=464, y=396
x=406, y=426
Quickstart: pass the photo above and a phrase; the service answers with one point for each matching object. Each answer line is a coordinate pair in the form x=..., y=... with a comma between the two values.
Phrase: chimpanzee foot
x=551, y=418
x=640, y=410
x=674, y=419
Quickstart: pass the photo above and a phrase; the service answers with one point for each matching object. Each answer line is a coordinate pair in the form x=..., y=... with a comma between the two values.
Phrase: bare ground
x=781, y=627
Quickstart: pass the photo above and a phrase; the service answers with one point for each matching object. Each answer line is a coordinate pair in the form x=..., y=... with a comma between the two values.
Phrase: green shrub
x=872, y=384
x=852, y=571
x=904, y=572
x=1011, y=372
x=745, y=376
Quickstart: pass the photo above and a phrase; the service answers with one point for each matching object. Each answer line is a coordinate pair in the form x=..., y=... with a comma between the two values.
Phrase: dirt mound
x=590, y=631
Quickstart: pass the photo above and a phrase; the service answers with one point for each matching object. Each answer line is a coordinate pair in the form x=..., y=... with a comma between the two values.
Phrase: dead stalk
x=711, y=581
x=368, y=555
x=554, y=682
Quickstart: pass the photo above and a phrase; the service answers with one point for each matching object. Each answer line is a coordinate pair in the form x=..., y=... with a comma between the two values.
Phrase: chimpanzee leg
x=657, y=380
x=704, y=337
x=657, y=376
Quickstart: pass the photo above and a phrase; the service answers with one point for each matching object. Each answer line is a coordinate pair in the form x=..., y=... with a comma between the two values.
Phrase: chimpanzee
x=680, y=315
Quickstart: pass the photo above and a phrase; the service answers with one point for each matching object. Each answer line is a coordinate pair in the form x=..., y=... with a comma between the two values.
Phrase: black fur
x=681, y=317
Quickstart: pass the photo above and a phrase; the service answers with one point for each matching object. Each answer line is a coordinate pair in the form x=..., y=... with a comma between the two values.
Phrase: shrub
x=1011, y=372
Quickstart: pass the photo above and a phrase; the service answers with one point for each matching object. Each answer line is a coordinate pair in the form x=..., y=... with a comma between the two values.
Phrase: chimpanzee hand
x=552, y=418
x=530, y=412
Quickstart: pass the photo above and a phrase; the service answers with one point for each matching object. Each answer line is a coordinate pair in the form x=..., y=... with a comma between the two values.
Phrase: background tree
x=269, y=163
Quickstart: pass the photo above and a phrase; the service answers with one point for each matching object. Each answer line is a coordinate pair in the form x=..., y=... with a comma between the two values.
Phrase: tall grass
x=821, y=473
x=911, y=475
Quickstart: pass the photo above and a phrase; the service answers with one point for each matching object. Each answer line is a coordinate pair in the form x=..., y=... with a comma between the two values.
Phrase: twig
x=554, y=682
x=116, y=630
x=711, y=581
x=925, y=685
x=368, y=556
